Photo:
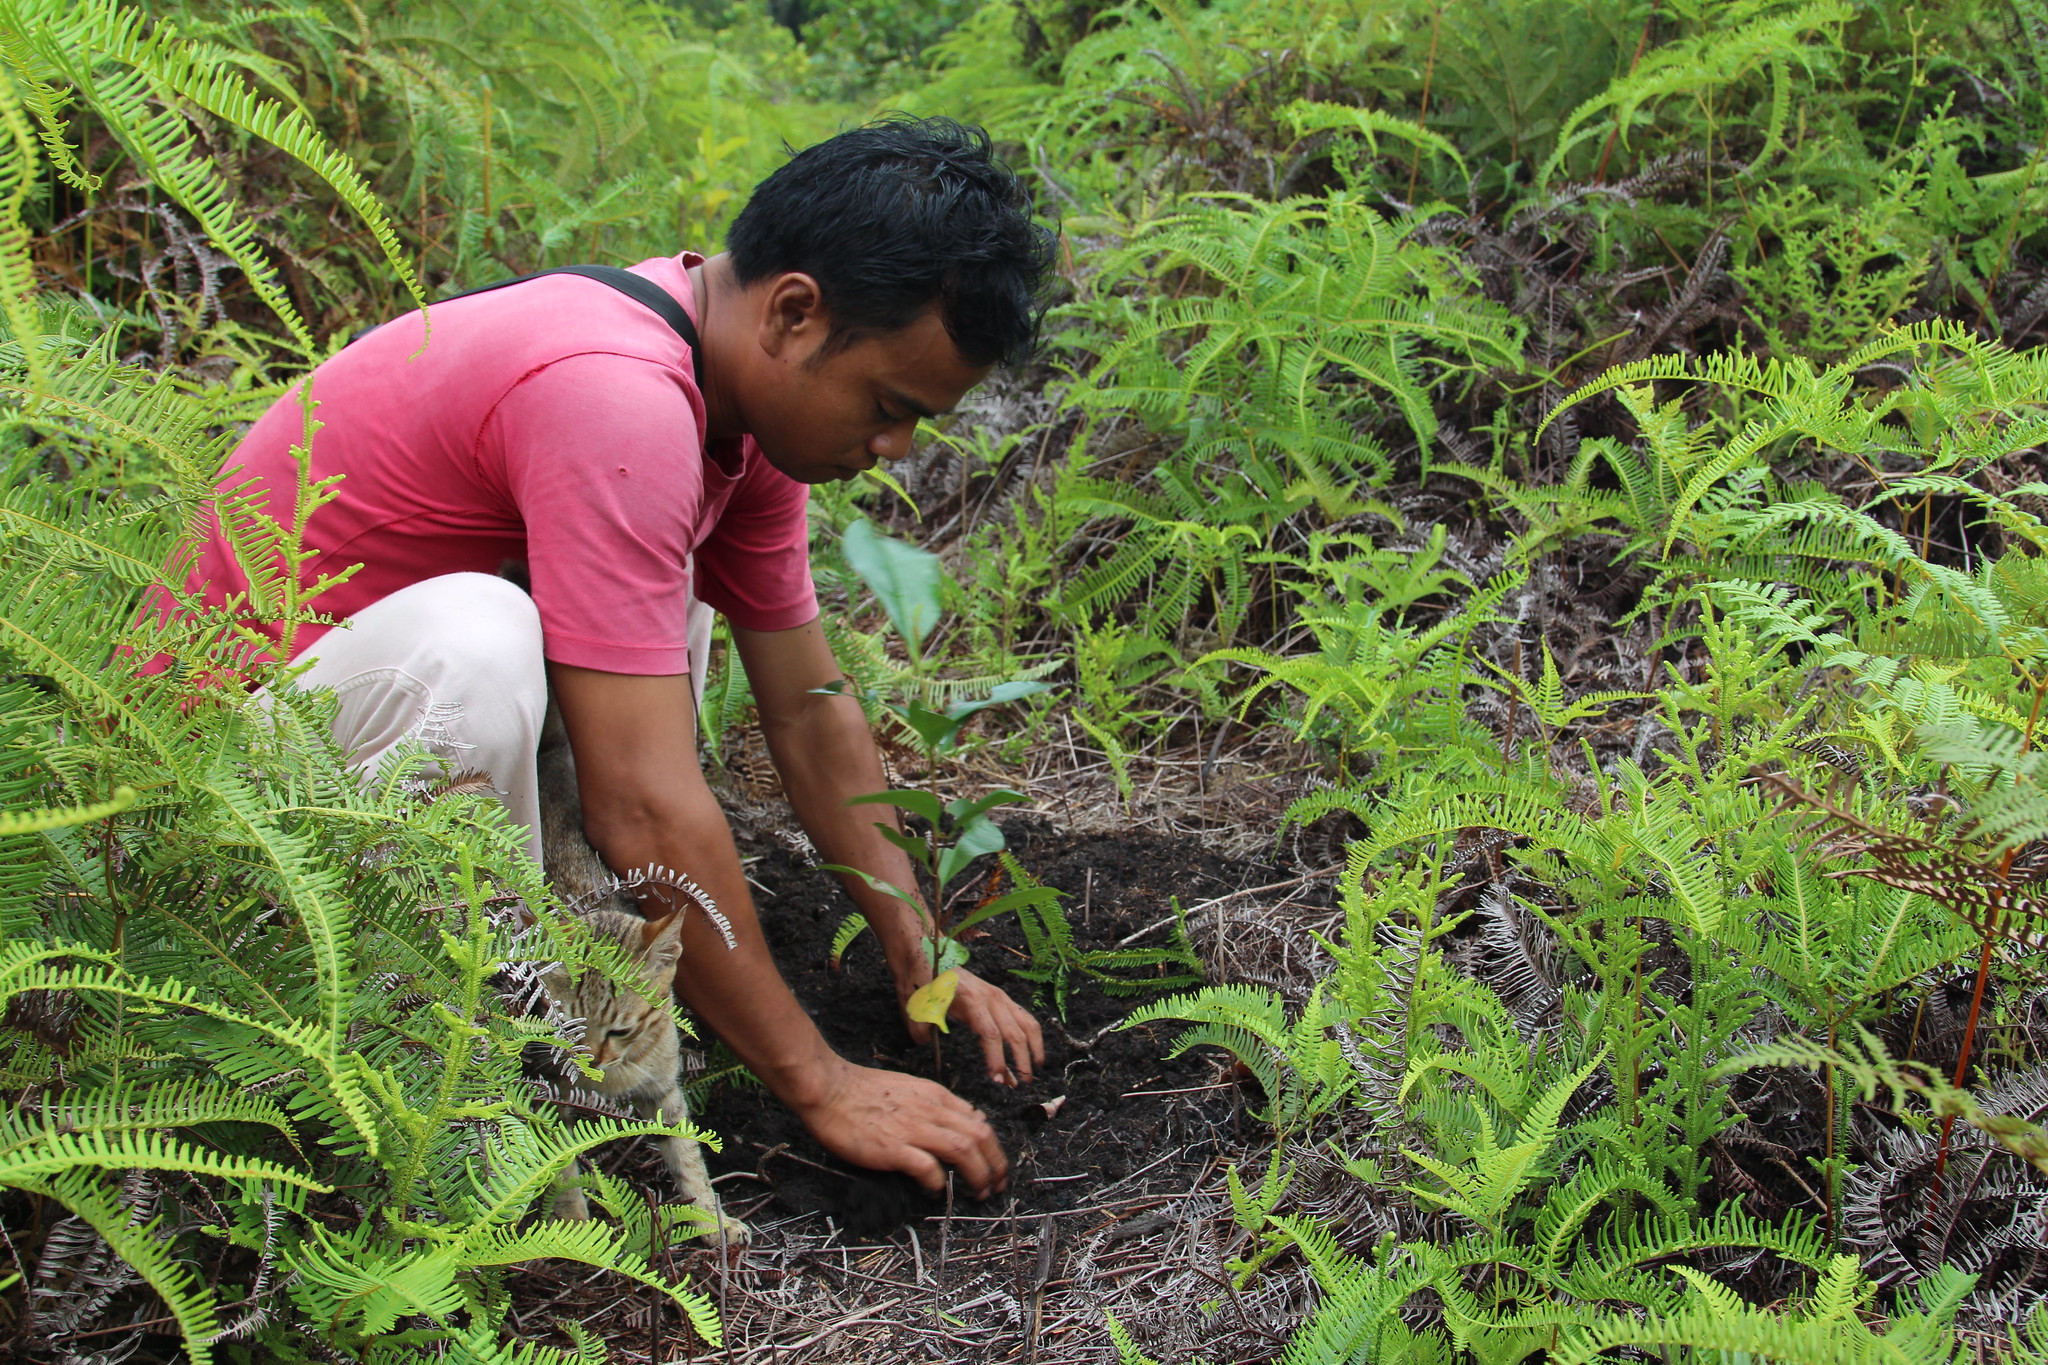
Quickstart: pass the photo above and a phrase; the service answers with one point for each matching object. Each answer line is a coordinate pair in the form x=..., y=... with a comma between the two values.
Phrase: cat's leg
x=569, y=1202
x=685, y=1161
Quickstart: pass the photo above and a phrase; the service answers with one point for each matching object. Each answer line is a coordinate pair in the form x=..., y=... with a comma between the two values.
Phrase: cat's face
x=617, y=1023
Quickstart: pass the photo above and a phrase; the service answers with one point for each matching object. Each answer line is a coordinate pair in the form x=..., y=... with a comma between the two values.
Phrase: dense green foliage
x=1604, y=436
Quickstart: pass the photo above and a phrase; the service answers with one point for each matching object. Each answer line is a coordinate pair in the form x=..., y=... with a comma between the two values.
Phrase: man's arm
x=826, y=755
x=645, y=801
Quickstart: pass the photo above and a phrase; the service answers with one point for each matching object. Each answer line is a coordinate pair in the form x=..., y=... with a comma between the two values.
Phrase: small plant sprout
x=908, y=583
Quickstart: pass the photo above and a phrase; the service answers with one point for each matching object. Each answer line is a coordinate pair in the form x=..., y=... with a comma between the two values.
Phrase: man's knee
x=486, y=634
x=468, y=643
x=479, y=632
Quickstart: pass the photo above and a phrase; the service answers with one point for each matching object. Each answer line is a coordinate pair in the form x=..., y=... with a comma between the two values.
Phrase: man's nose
x=893, y=442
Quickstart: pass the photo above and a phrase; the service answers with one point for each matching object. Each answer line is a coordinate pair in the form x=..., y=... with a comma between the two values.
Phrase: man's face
x=831, y=416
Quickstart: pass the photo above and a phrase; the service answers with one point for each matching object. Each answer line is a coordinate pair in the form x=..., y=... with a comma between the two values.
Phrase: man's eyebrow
x=901, y=399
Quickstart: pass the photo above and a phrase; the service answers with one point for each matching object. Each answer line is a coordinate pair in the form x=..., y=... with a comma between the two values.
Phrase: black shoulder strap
x=636, y=287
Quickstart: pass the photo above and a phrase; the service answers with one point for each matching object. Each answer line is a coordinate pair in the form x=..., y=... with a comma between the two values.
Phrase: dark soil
x=1116, y=1200
x=1109, y=1118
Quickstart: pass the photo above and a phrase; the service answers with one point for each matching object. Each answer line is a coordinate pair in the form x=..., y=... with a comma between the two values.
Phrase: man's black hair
x=894, y=216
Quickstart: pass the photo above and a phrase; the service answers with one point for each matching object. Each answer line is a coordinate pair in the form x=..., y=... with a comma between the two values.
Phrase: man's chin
x=816, y=473
x=813, y=472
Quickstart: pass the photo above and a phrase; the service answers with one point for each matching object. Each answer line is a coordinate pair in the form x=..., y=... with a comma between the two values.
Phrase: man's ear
x=793, y=321
x=661, y=947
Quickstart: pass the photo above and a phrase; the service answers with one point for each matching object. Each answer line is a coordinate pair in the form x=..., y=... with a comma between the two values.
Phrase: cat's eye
x=618, y=1032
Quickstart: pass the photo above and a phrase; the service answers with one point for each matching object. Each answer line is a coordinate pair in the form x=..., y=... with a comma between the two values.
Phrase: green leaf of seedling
x=934, y=730
x=1008, y=902
x=952, y=953
x=916, y=802
x=903, y=578
x=885, y=888
x=975, y=838
x=964, y=810
x=909, y=843
x=998, y=695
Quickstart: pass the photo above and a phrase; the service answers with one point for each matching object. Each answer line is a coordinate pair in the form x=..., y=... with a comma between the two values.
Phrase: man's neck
x=713, y=284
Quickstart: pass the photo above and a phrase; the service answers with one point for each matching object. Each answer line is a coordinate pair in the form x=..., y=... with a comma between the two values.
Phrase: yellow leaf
x=928, y=1003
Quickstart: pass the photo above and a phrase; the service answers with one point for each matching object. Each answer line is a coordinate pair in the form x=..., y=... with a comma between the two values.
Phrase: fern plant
x=1059, y=963
x=301, y=996
x=1298, y=1063
x=1380, y=684
x=1680, y=912
x=1296, y=315
x=1742, y=40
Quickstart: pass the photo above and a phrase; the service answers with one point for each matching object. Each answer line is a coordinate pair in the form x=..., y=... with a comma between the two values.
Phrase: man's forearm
x=737, y=991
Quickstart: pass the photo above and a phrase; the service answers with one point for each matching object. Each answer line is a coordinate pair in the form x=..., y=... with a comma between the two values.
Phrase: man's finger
x=1023, y=1064
x=972, y=1150
x=1028, y=1044
x=986, y=1168
x=1020, y=1033
x=992, y=1044
x=924, y=1168
x=992, y=1153
x=1019, y=1045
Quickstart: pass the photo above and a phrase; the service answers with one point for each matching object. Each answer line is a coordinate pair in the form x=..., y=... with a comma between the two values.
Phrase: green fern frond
x=63, y=817
x=849, y=929
x=72, y=43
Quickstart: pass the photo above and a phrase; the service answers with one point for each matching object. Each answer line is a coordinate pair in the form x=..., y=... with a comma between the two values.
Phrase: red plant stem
x=1963, y=1062
x=1422, y=117
x=1948, y=1123
x=1642, y=40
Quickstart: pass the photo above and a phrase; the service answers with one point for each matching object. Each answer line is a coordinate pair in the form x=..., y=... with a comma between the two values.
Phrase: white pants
x=454, y=663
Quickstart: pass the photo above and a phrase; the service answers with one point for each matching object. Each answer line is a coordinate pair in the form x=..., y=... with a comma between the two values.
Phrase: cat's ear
x=661, y=947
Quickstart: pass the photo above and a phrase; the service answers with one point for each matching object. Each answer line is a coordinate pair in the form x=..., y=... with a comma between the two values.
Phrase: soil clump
x=1106, y=1088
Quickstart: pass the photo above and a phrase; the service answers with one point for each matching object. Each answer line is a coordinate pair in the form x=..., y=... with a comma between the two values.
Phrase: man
x=870, y=282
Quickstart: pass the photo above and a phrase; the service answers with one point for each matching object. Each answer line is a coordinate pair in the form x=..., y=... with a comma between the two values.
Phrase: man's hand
x=887, y=1121
x=1000, y=1022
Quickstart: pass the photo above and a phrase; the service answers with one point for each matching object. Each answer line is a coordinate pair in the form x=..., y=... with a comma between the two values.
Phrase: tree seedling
x=908, y=583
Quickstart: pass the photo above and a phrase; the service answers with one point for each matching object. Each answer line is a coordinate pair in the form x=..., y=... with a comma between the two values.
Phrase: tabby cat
x=630, y=1036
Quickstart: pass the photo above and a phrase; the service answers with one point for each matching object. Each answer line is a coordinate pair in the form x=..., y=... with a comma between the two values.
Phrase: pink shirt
x=557, y=423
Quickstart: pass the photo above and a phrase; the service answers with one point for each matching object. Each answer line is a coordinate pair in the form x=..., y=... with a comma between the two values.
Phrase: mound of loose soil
x=1107, y=1087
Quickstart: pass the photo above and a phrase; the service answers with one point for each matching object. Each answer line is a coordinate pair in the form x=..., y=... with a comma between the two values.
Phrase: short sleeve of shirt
x=601, y=455
x=755, y=566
